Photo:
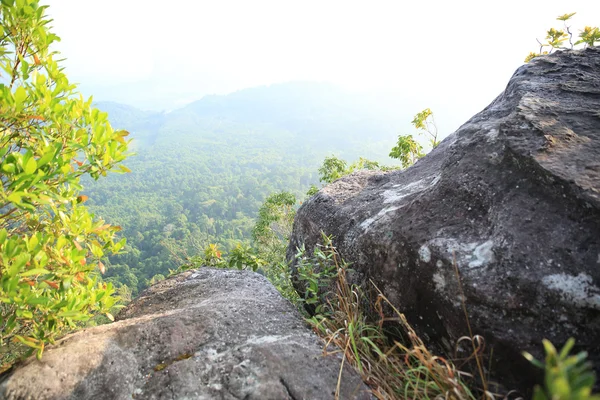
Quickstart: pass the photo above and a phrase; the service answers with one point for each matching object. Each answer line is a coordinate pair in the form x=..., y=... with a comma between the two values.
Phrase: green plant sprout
x=555, y=38
x=567, y=377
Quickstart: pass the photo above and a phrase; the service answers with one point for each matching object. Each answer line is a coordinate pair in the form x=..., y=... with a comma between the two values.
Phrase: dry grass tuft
x=393, y=370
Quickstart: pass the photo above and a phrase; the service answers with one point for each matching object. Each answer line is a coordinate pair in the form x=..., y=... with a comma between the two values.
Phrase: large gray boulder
x=204, y=334
x=512, y=198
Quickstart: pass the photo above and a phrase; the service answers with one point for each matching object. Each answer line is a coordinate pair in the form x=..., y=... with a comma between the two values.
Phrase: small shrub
x=567, y=377
x=50, y=136
x=316, y=272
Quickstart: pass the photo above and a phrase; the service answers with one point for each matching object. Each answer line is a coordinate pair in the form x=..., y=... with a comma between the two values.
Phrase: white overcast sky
x=456, y=55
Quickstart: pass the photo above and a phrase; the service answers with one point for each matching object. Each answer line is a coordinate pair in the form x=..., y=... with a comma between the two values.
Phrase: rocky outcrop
x=512, y=199
x=204, y=334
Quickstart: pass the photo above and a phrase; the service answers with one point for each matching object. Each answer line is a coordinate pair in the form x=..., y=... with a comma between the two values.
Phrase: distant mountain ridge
x=320, y=113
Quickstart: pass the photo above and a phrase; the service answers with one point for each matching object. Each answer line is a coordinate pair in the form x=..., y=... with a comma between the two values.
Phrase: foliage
x=271, y=235
x=365, y=164
x=407, y=149
x=244, y=257
x=157, y=278
x=274, y=223
x=50, y=245
x=425, y=123
x=566, y=376
x=556, y=38
x=589, y=36
x=212, y=256
x=316, y=272
x=312, y=190
x=334, y=168
x=123, y=296
x=280, y=275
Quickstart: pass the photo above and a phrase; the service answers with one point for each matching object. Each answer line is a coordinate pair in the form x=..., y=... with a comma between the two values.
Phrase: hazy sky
x=452, y=55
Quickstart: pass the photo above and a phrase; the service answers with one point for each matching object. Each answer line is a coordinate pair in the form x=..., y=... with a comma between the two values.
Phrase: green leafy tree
x=274, y=223
x=556, y=38
x=50, y=245
x=312, y=190
x=332, y=168
x=407, y=149
x=425, y=124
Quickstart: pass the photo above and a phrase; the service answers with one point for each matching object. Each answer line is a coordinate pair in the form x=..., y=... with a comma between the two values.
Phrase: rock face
x=512, y=198
x=204, y=334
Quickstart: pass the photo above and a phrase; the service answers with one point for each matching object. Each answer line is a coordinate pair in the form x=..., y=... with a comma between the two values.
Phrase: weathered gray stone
x=513, y=196
x=204, y=334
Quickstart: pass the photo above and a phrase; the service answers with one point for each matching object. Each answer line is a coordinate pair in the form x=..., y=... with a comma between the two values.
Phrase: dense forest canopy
x=200, y=173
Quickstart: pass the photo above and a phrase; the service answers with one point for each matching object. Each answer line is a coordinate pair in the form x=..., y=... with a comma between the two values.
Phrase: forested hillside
x=200, y=173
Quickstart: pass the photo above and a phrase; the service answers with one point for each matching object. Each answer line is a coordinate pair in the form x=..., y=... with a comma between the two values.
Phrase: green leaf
x=9, y=168
x=31, y=166
x=565, y=17
x=16, y=197
x=20, y=96
x=37, y=300
x=532, y=360
x=18, y=264
x=539, y=394
x=33, y=242
x=46, y=158
x=567, y=347
x=35, y=271
x=28, y=341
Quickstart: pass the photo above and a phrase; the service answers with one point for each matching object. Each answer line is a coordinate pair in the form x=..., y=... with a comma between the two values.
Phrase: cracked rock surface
x=512, y=198
x=203, y=334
